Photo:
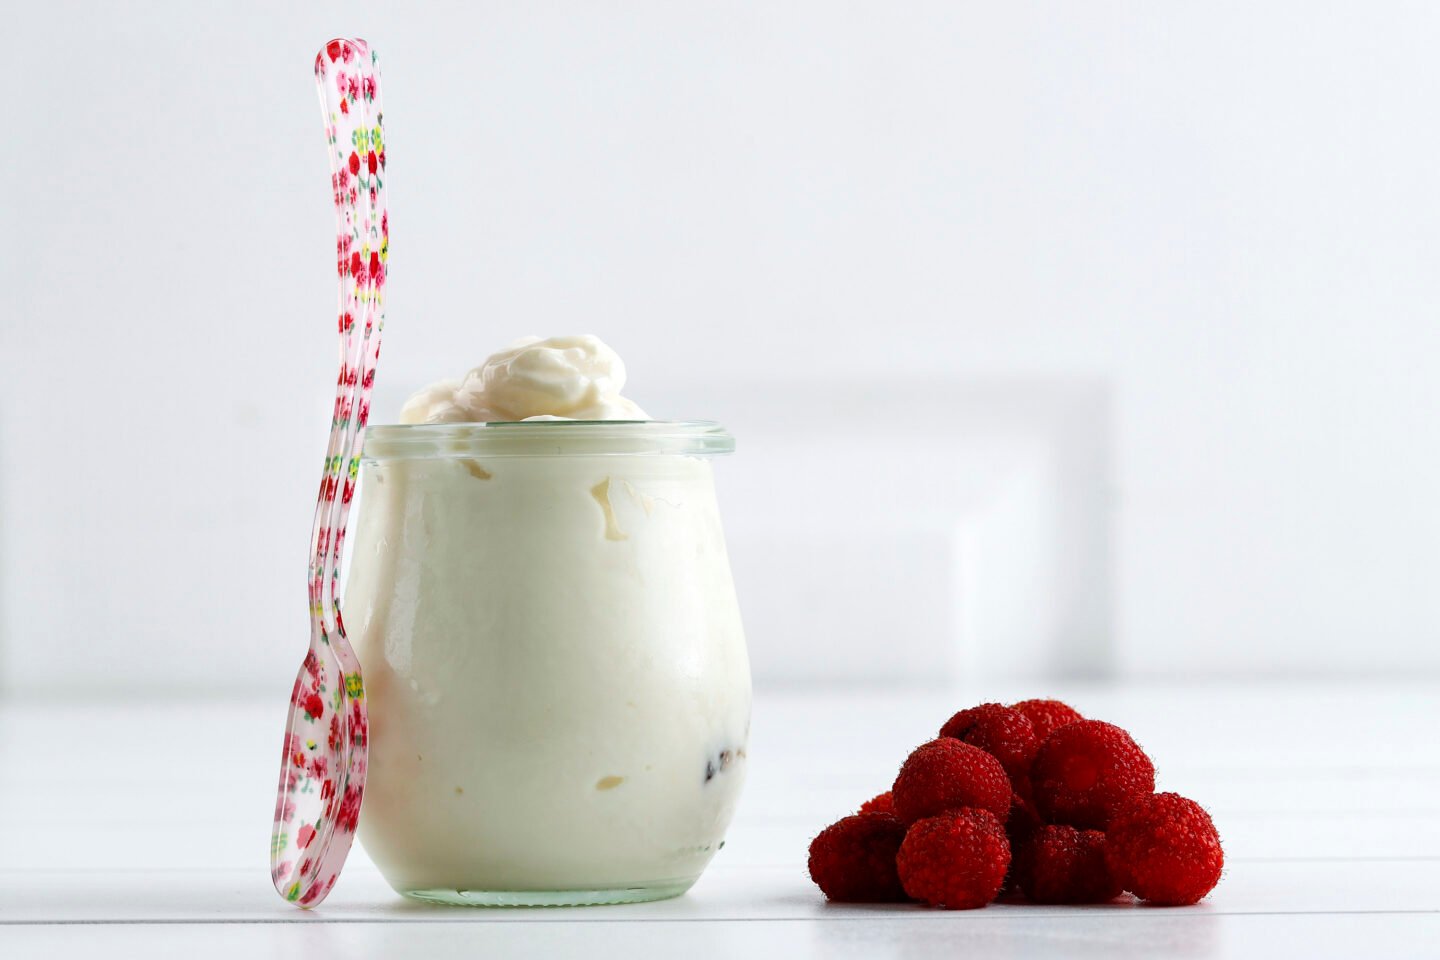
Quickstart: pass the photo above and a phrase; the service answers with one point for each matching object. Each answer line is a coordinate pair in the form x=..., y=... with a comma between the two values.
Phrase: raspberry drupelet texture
x=1047, y=716
x=1006, y=734
x=1165, y=849
x=853, y=860
x=882, y=803
x=1086, y=771
x=949, y=773
x=957, y=860
x=1060, y=864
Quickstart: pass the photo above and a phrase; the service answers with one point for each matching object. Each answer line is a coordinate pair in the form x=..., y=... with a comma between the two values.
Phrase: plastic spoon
x=322, y=773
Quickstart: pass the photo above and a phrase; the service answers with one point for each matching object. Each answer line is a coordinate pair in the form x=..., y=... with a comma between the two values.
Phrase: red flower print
x=357, y=725
x=313, y=894
x=372, y=161
x=352, y=87
x=314, y=706
x=349, y=491
x=327, y=789
x=347, y=52
x=364, y=414
x=385, y=216
x=355, y=266
x=305, y=836
x=375, y=263
x=282, y=869
x=344, y=106
x=334, y=738
x=349, y=816
x=342, y=180
x=333, y=49
x=354, y=162
x=368, y=87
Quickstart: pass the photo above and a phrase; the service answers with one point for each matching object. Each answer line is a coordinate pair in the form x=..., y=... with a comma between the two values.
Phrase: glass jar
x=557, y=679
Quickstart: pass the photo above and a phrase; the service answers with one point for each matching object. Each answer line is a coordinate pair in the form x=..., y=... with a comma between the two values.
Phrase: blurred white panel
x=918, y=531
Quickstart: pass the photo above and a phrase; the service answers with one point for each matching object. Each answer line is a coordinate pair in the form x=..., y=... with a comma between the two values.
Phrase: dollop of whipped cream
x=558, y=378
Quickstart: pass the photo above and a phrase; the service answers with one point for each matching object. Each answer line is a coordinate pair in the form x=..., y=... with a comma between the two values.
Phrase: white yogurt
x=554, y=662
x=564, y=378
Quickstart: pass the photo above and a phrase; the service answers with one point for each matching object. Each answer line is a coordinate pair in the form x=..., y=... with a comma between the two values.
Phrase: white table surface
x=131, y=828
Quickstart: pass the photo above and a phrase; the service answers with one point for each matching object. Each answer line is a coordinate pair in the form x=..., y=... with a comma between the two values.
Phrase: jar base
x=640, y=893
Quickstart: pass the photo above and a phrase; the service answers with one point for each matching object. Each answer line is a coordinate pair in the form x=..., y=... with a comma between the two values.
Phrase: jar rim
x=546, y=438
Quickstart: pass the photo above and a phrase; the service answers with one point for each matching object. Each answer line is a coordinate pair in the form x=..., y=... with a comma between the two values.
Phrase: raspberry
x=956, y=860
x=1063, y=865
x=1086, y=771
x=948, y=773
x=854, y=859
x=1164, y=849
x=1047, y=715
x=1006, y=734
x=883, y=803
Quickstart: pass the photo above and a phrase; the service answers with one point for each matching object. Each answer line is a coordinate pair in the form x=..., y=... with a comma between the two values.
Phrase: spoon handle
x=349, y=85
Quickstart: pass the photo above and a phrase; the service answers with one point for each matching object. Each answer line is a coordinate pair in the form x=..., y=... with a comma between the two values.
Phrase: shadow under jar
x=556, y=672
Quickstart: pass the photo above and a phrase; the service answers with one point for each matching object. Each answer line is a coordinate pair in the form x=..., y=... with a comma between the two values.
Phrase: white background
x=1061, y=339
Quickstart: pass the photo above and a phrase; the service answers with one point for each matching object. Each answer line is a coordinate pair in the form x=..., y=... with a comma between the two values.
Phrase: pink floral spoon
x=322, y=772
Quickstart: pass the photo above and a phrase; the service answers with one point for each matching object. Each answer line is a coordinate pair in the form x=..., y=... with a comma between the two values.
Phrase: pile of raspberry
x=1030, y=800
